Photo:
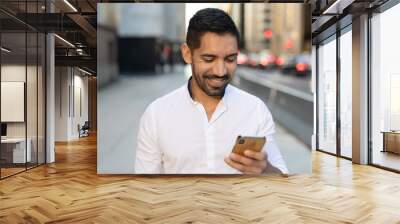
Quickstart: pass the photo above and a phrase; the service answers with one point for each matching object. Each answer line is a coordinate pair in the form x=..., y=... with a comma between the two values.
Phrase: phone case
x=246, y=142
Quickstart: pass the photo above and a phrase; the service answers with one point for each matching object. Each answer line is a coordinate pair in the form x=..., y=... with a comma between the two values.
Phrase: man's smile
x=216, y=82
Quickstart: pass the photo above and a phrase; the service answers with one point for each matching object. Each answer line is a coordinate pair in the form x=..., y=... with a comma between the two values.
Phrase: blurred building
x=257, y=19
x=107, y=59
x=291, y=33
x=281, y=28
x=142, y=27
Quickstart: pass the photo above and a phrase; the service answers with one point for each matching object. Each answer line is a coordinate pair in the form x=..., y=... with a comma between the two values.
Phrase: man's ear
x=186, y=54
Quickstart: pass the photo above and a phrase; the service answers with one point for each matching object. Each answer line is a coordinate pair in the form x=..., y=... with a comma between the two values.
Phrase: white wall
x=70, y=83
x=61, y=103
x=79, y=117
x=15, y=72
x=33, y=126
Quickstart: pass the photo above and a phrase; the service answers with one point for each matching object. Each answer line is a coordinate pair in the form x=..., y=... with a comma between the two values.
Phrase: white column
x=50, y=92
x=360, y=90
x=50, y=99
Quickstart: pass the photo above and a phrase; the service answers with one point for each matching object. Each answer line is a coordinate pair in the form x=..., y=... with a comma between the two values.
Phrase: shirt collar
x=189, y=93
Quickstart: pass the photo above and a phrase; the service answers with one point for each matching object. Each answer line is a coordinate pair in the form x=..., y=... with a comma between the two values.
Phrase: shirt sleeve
x=148, y=155
x=275, y=161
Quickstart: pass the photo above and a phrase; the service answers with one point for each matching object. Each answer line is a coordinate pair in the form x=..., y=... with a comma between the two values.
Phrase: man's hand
x=251, y=163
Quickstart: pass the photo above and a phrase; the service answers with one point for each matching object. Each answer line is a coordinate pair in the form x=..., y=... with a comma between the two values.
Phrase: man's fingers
x=241, y=159
x=252, y=162
x=255, y=155
x=234, y=165
x=243, y=168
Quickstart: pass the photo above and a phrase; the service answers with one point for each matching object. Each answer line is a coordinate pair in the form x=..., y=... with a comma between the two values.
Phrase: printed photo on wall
x=210, y=88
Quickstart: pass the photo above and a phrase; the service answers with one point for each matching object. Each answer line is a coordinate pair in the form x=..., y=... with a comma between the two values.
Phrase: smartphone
x=248, y=143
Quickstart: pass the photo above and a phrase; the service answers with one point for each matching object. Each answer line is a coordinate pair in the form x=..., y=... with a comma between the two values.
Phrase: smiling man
x=193, y=129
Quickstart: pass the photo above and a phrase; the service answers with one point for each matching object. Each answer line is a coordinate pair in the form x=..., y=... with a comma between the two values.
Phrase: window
x=327, y=96
x=385, y=88
x=22, y=88
x=346, y=92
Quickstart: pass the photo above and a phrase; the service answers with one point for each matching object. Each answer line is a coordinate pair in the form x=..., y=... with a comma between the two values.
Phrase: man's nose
x=220, y=68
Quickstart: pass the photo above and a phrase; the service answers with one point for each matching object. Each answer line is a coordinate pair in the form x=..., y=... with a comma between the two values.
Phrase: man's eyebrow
x=234, y=54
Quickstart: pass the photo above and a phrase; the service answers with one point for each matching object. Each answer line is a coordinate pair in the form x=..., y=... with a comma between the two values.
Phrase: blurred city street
x=135, y=59
x=131, y=95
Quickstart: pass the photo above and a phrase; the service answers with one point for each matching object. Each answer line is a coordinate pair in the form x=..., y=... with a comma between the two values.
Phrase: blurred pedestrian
x=157, y=53
x=167, y=56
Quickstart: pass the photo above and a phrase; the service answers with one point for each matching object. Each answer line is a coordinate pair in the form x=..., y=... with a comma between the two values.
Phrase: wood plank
x=70, y=191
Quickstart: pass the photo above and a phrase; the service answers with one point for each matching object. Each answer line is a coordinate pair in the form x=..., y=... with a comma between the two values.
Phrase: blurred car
x=267, y=59
x=253, y=59
x=303, y=64
x=242, y=58
x=286, y=63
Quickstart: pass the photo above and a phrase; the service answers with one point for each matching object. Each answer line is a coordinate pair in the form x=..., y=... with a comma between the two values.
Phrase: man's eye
x=231, y=59
x=208, y=59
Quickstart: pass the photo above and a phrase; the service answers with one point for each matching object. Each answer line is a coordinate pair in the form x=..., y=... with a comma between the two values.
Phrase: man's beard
x=212, y=85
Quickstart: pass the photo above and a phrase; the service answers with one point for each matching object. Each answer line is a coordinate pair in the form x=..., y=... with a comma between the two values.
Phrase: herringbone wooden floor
x=70, y=191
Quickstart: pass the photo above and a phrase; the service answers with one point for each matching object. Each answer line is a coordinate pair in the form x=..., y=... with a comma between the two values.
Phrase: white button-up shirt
x=176, y=137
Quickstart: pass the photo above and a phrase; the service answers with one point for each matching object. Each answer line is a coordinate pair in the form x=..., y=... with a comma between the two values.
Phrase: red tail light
x=279, y=61
x=301, y=67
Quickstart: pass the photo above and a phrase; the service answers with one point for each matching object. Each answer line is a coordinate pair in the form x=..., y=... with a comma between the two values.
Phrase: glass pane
x=346, y=93
x=32, y=91
x=41, y=99
x=386, y=89
x=327, y=97
x=13, y=87
x=31, y=101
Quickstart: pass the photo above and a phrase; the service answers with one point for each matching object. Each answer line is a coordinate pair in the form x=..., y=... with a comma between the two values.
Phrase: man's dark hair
x=209, y=20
